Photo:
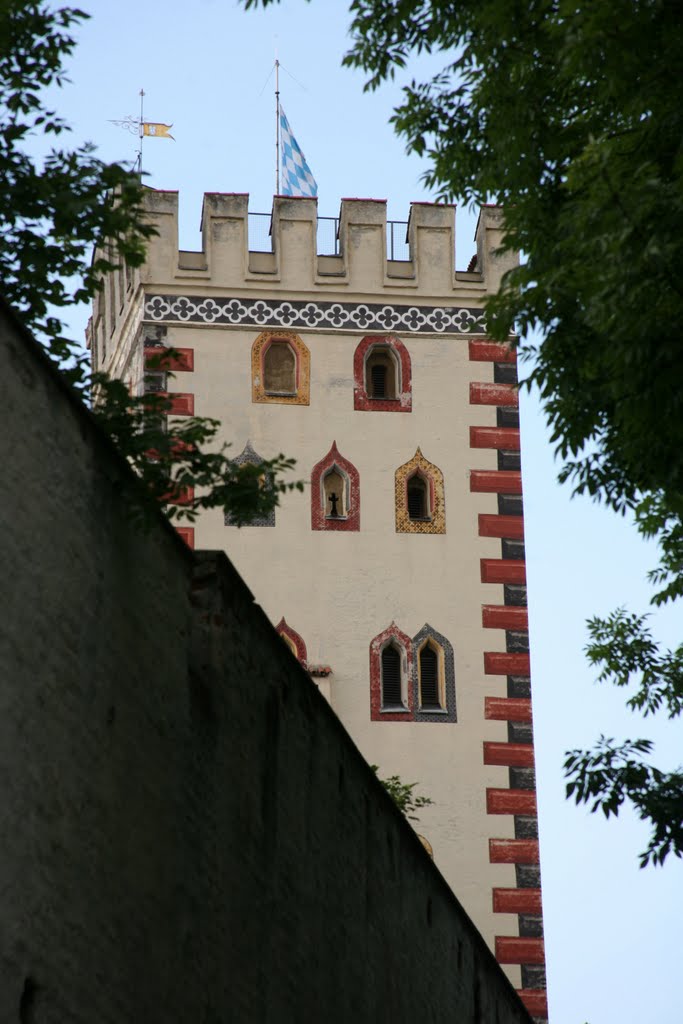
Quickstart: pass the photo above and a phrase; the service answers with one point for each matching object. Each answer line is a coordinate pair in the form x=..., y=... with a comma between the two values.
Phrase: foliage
x=52, y=214
x=175, y=462
x=623, y=647
x=610, y=774
x=568, y=115
x=67, y=221
x=402, y=794
x=635, y=657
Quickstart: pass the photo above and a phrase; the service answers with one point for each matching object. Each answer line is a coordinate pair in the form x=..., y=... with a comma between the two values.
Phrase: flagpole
x=277, y=127
x=141, y=131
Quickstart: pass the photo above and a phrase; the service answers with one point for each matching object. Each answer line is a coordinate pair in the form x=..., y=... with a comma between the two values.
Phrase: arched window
x=382, y=373
x=249, y=456
x=279, y=369
x=418, y=497
x=433, y=677
x=392, y=695
x=335, y=493
x=391, y=674
x=428, y=678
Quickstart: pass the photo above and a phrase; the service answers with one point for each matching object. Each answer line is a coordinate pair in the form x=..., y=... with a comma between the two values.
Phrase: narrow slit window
x=391, y=677
x=378, y=380
x=418, y=505
x=279, y=369
x=429, y=678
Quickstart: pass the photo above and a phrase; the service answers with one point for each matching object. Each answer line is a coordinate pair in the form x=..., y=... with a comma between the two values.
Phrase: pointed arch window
x=433, y=677
x=249, y=456
x=391, y=665
x=335, y=493
x=382, y=375
x=419, y=497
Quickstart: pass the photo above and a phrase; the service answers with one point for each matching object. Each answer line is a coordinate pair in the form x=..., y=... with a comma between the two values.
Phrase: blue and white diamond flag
x=297, y=179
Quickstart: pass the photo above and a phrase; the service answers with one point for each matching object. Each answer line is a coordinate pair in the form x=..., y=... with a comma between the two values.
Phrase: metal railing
x=260, y=239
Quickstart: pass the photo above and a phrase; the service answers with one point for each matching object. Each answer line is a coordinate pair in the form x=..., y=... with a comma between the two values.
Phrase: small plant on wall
x=402, y=794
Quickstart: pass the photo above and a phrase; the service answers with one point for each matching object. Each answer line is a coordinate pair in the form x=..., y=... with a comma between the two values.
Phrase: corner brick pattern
x=158, y=357
x=320, y=520
x=519, y=800
x=303, y=369
x=361, y=400
x=437, y=503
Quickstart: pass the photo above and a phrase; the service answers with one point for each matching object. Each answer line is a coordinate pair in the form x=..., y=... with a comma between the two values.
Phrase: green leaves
x=610, y=775
x=565, y=117
x=182, y=467
x=53, y=213
x=64, y=224
x=402, y=794
x=623, y=647
x=568, y=118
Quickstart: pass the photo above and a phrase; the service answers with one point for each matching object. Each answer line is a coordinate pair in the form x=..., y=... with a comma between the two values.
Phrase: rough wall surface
x=188, y=833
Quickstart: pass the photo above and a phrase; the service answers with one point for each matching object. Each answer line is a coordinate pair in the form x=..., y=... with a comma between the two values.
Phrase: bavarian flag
x=159, y=131
x=297, y=179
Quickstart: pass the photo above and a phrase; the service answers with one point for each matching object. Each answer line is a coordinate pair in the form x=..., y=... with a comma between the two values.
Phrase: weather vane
x=138, y=126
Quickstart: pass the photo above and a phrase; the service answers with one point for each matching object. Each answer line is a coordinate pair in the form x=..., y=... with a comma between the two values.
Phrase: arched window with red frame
x=382, y=375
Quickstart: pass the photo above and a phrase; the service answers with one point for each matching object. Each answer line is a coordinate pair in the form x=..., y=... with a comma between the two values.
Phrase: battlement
x=360, y=265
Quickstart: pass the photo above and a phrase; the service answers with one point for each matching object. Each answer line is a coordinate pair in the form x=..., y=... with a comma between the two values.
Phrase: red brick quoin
x=404, y=643
x=319, y=519
x=361, y=400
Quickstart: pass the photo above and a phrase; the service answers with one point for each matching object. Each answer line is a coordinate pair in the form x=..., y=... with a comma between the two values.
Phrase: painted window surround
x=364, y=402
x=303, y=369
x=320, y=519
x=436, y=521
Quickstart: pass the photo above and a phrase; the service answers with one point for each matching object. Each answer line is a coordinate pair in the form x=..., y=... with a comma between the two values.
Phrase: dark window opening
x=429, y=678
x=378, y=375
x=279, y=369
x=335, y=495
x=417, y=498
x=391, y=677
x=381, y=374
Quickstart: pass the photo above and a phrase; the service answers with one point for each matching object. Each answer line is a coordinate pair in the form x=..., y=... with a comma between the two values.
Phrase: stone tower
x=397, y=577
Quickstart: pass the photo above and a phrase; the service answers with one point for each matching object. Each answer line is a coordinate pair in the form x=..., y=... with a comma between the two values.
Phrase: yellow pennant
x=159, y=131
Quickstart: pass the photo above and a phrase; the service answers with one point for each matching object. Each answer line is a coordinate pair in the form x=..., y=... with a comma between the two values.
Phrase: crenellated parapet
x=359, y=288
x=361, y=266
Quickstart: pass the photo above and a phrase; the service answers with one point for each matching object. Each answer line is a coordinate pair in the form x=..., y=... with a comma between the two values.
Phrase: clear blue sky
x=612, y=931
